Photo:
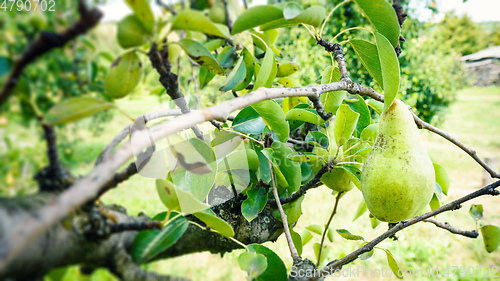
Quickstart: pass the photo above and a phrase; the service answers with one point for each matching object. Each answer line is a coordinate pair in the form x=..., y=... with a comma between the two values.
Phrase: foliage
x=232, y=158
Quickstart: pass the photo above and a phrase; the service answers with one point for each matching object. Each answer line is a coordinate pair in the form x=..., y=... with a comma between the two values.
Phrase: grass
x=474, y=119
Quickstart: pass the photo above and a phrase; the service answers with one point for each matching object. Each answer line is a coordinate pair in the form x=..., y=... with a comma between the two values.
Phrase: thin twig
x=454, y=230
x=315, y=182
x=291, y=246
x=135, y=226
x=166, y=7
x=47, y=41
x=327, y=225
x=229, y=23
x=50, y=138
x=320, y=109
x=455, y=205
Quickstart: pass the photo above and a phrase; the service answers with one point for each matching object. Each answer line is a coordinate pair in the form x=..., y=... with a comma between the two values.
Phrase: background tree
x=235, y=182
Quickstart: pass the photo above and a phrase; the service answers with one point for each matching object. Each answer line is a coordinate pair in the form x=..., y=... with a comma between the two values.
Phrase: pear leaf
x=201, y=55
x=393, y=264
x=442, y=178
x=382, y=16
x=74, y=109
x=347, y=235
x=253, y=263
x=255, y=16
x=197, y=21
x=491, y=237
x=345, y=123
x=390, y=69
x=476, y=211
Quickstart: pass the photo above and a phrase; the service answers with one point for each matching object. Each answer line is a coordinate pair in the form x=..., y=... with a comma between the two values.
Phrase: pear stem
x=327, y=225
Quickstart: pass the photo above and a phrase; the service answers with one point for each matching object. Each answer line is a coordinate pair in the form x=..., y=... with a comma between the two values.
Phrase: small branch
x=454, y=230
x=135, y=226
x=315, y=182
x=169, y=80
x=400, y=13
x=47, y=41
x=423, y=125
x=166, y=7
x=320, y=109
x=229, y=23
x=291, y=246
x=327, y=225
x=126, y=131
x=245, y=3
x=455, y=205
x=50, y=138
x=118, y=178
x=338, y=54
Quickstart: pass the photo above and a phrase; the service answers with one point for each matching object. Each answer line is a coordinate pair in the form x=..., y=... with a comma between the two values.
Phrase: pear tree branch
x=454, y=230
x=455, y=205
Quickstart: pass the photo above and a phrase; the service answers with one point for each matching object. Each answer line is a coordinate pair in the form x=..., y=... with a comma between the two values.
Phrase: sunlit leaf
x=235, y=77
x=305, y=115
x=74, y=109
x=297, y=241
x=491, y=237
x=393, y=264
x=442, y=177
x=197, y=52
x=143, y=11
x=274, y=117
x=315, y=228
x=227, y=57
x=370, y=133
x=197, y=21
x=360, y=107
x=123, y=76
x=255, y=16
x=354, y=174
x=347, y=235
x=213, y=221
x=345, y=124
x=250, y=68
x=253, y=263
x=383, y=17
x=376, y=105
x=368, y=54
x=304, y=157
x=248, y=121
x=361, y=209
x=390, y=69
x=476, y=211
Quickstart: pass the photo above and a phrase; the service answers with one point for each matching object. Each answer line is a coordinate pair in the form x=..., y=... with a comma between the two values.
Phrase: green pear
x=337, y=179
x=398, y=177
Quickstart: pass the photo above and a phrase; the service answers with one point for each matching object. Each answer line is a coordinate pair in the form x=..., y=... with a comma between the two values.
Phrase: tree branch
x=455, y=205
x=47, y=41
x=454, y=230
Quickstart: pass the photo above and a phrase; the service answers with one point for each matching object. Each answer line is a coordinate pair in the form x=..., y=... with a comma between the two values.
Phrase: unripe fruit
x=123, y=76
x=131, y=32
x=217, y=13
x=37, y=21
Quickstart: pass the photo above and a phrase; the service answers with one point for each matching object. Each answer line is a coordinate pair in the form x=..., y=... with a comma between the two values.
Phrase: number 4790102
x=28, y=5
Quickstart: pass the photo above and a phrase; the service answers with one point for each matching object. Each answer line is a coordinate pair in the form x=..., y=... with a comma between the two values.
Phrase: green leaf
x=289, y=168
x=361, y=209
x=297, y=241
x=476, y=211
x=205, y=77
x=5, y=65
x=248, y=121
x=250, y=68
x=143, y=11
x=434, y=203
x=167, y=193
x=275, y=269
x=254, y=204
x=123, y=76
x=390, y=69
x=360, y=107
x=324, y=252
x=131, y=32
x=227, y=57
x=253, y=263
x=382, y=16
x=255, y=16
x=287, y=68
x=374, y=221
x=306, y=236
x=304, y=115
x=74, y=109
x=274, y=117
x=197, y=21
x=345, y=123
x=368, y=54
x=214, y=44
x=370, y=133
x=376, y=105
x=393, y=264
x=491, y=237
x=354, y=174
x=213, y=221
x=330, y=234
x=347, y=235
x=315, y=228
x=235, y=77
x=318, y=138
x=367, y=255
x=149, y=243
x=280, y=178
x=442, y=178
x=291, y=10
x=313, y=15
x=197, y=52
x=265, y=70
x=331, y=100
x=304, y=157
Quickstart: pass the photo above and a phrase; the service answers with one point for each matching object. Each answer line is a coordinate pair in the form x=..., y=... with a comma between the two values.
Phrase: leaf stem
x=327, y=225
x=330, y=14
x=349, y=29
